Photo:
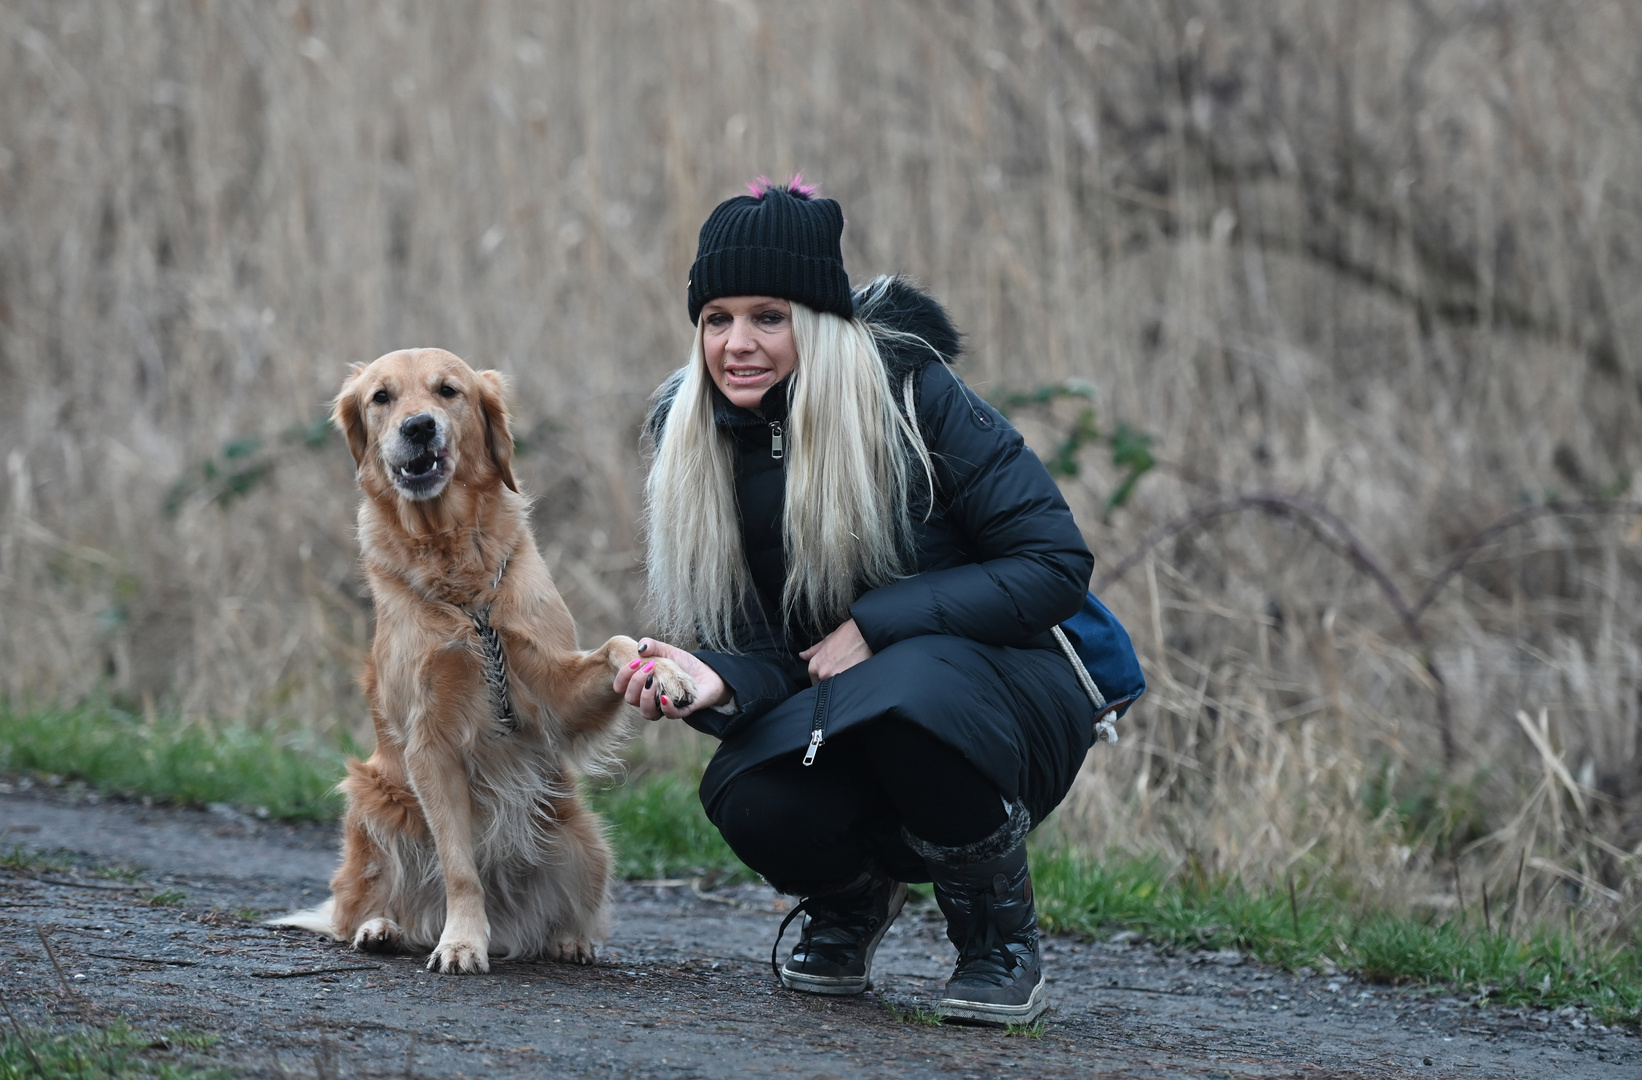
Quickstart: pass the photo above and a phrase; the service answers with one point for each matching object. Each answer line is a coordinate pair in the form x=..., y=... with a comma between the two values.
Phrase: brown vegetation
x=1373, y=261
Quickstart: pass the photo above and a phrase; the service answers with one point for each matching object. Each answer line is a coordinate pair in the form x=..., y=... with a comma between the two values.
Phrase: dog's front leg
x=440, y=778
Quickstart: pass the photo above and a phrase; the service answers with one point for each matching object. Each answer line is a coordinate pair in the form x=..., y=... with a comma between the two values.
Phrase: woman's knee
x=800, y=829
x=939, y=795
x=748, y=826
x=752, y=812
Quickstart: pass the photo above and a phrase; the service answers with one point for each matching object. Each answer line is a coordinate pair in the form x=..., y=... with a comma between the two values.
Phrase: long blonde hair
x=850, y=481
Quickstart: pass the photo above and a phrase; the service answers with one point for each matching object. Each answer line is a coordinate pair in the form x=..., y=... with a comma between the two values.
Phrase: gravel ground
x=683, y=988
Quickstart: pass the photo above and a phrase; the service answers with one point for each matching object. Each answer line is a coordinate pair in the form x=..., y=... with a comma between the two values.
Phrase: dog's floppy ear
x=498, y=439
x=345, y=414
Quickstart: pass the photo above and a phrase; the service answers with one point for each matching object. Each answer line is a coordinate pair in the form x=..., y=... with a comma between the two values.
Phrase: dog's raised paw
x=378, y=935
x=674, y=684
x=569, y=949
x=459, y=958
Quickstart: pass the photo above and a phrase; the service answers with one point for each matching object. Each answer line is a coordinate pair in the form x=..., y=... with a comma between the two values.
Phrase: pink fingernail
x=664, y=700
x=635, y=663
x=650, y=665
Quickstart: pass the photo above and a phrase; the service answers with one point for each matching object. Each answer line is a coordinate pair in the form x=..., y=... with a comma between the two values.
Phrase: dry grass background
x=1381, y=255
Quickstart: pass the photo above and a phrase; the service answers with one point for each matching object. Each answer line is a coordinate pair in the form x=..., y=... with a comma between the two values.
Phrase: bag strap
x=1105, y=729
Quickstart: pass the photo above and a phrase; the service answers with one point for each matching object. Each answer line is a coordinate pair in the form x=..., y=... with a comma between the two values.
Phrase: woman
x=872, y=561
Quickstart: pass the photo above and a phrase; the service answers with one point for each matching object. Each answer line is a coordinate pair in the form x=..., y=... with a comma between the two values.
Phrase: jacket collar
x=773, y=406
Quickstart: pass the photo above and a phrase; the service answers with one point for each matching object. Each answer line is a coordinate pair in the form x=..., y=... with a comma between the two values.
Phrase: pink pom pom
x=794, y=187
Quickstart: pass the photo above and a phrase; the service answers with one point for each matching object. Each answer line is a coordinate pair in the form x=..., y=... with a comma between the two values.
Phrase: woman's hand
x=838, y=651
x=634, y=684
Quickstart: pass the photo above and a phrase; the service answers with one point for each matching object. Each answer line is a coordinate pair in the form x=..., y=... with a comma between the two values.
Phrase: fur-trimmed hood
x=910, y=327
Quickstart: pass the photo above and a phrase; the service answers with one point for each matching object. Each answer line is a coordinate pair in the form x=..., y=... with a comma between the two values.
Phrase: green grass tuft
x=915, y=1014
x=1550, y=969
x=661, y=831
x=34, y=862
x=195, y=1040
x=1035, y=1030
x=176, y=762
x=107, y=872
x=117, y=1052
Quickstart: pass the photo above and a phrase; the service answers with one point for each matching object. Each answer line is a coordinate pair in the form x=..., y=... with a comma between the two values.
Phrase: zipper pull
x=816, y=736
x=775, y=445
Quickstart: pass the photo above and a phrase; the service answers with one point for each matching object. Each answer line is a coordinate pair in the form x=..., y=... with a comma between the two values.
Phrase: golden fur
x=461, y=835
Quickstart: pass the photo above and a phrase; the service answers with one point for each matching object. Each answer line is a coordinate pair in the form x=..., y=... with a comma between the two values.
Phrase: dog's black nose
x=419, y=429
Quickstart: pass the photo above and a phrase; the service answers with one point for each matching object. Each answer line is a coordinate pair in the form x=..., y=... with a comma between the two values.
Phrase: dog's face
x=418, y=418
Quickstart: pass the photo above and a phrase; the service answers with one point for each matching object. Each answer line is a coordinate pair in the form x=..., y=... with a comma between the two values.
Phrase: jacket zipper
x=775, y=440
x=817, y=736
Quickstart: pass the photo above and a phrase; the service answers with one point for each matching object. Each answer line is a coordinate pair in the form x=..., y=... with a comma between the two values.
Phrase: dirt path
x=682, y=990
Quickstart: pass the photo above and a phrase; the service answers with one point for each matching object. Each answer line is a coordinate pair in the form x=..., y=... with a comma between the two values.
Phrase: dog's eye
x=448, y=391
x=380, y=397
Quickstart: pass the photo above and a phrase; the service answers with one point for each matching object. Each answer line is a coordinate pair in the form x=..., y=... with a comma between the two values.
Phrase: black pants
x=810, y=829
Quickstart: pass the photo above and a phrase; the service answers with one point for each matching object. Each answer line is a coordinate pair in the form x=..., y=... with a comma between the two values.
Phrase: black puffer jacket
x=998, y=561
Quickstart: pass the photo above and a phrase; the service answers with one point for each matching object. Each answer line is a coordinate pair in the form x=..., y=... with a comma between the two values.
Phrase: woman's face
x=749, y=345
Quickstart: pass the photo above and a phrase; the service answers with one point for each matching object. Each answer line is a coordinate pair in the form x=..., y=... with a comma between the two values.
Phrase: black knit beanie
x=778, y=241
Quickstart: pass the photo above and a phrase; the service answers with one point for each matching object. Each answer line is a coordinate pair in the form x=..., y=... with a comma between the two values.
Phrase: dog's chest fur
x=514, y=774
x=431, y=643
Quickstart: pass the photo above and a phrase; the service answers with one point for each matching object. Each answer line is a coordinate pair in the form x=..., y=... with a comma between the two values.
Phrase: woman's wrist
x=724, y=695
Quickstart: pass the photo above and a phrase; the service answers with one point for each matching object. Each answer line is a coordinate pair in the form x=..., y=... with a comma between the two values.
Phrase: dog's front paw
x=569, y=949
x=673, y=684
x=379, y=936
x=459, y=958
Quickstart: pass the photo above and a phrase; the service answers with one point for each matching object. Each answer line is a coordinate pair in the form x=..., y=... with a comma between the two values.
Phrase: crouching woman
x=871, y=560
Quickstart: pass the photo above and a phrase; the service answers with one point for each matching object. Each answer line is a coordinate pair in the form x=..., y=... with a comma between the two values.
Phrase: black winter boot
x=834, y=953
x=986, y=895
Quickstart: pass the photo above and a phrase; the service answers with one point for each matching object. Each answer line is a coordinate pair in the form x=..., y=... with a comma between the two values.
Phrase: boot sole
x=993, y=1014
x=846, y=985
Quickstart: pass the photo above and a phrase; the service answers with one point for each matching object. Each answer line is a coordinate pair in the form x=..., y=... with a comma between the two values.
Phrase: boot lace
x=835, y=934
x=986, y=957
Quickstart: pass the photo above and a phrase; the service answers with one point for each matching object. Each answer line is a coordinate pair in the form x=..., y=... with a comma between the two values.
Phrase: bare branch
x=1341, y=538
x=1338, y=536
x=1519, y=516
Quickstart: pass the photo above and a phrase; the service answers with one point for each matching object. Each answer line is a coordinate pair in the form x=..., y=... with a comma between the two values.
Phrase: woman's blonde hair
x=851, y=456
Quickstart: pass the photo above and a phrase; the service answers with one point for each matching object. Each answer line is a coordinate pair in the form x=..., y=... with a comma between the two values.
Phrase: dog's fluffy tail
x=316, y=919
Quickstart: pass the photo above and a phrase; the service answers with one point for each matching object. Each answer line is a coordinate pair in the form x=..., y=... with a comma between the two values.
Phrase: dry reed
x=1377, y=255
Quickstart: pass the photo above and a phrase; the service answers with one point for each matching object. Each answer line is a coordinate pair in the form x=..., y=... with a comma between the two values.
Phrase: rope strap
x=501, y=700
x=1105, y=729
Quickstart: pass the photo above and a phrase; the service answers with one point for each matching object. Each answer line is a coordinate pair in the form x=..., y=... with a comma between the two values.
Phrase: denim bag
x=1104, y=660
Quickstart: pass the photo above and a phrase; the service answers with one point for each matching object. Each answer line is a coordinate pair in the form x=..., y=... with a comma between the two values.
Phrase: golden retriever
x=464, y=834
